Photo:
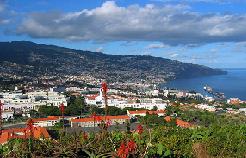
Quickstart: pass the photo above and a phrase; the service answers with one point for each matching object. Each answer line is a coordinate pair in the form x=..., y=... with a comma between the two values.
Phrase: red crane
x=1, y=119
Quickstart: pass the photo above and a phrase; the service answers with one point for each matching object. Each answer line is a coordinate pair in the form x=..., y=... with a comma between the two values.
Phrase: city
x=122, y=79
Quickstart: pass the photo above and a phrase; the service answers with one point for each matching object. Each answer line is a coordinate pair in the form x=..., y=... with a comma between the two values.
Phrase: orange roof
x=23, y=133
x=179, y=122
x=156, y=112
x=145, y=111
x=168, y=118
x=49, y=118
x=91, y=119
x=92, y=97
x=138, y=112
x=183, y=124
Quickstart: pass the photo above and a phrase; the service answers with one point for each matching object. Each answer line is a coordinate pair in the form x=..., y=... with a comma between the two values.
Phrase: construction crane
x=1, y=118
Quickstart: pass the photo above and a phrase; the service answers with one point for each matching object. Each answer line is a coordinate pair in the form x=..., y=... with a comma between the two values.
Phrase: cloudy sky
x=208, y=32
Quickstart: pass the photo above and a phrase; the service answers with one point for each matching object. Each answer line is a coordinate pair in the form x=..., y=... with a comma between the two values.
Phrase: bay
x=233, y=84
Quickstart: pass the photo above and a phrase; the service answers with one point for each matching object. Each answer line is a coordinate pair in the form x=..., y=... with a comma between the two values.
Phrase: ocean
x=233, y=84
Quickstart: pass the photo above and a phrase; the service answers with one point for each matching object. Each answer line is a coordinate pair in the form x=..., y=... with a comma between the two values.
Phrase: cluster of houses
x=124, y=102
x=94, y=121
x=40, y=124
x=23, y=133
x=215, y=108
x=19, y=102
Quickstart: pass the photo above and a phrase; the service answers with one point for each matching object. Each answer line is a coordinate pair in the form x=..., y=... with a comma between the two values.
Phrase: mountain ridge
x=42, y=59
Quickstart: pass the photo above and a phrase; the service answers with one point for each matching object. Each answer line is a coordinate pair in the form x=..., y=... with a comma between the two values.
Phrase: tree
x=112, y=110
x=49, y=111
x=155, y=108
x=75, y=107
x=34, y=113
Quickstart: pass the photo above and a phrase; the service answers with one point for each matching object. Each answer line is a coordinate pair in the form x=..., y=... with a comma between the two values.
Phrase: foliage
x=48, y=111
x=151, y=120
x=75, y=107
x=160, y=141
x=213, y=136
x=34, y=113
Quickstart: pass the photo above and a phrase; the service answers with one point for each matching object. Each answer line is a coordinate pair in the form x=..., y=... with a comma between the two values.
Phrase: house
x=179, y=123
x=7, y=115
x=31, y=100
x=46, y=122
x=94, y=121
x=234, y=101
x=144, y=112
x=49, y=121
x=23, y=133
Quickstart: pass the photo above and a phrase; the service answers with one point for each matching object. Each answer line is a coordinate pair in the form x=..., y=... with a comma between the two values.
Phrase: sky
x=206, y=32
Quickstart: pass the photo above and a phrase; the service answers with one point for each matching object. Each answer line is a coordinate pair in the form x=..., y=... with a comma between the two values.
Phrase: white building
x=144, y=112
x=7, y=115
x=121, y=102
x=90, y=122
x=206, y=107
x=31, y=100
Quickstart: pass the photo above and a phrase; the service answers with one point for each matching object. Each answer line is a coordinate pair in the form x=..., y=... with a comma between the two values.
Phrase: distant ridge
x=25, y=58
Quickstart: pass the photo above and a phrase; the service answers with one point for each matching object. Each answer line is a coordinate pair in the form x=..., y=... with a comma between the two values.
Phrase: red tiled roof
x=179, y=122
x=183, y=124
x=138, y=112
x=145, y=111
x=156, y=112
x=92, y=97
x=168, y=118
x=91, y=119
x=49, y=118
x=23, y=133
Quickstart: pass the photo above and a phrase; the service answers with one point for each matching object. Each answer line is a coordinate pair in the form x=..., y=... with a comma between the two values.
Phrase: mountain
x=23, y=58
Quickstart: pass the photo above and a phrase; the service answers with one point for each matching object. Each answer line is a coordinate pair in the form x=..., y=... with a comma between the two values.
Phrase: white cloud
x=156, y=46
x=4, y=21
x=206, y=1
x=168, y=24
x=173, y=55
x=2, y=7
x=100, y=49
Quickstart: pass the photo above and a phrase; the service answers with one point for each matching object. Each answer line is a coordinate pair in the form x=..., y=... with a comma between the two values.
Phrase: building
x=49, y=121
x=23, y=133
x=206, y=107
x=31, y=100
x=8, y=115
x=234, y=101
x=94, y=122
x=46, y=122
x=144, y=113
x=179, y=123
x=125, y=102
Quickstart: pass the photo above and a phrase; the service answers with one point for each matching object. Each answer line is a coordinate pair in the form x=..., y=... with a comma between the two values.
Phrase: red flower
x=140, y=129
x=122, y=152
x=93, y=115
x=108, y=123
x=62, y=108
x=131, y=145
x=98, y=118
x=85, y=136
x=104, y=87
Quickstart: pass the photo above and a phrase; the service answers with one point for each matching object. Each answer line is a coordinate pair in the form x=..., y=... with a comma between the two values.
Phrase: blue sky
x=207, y=32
